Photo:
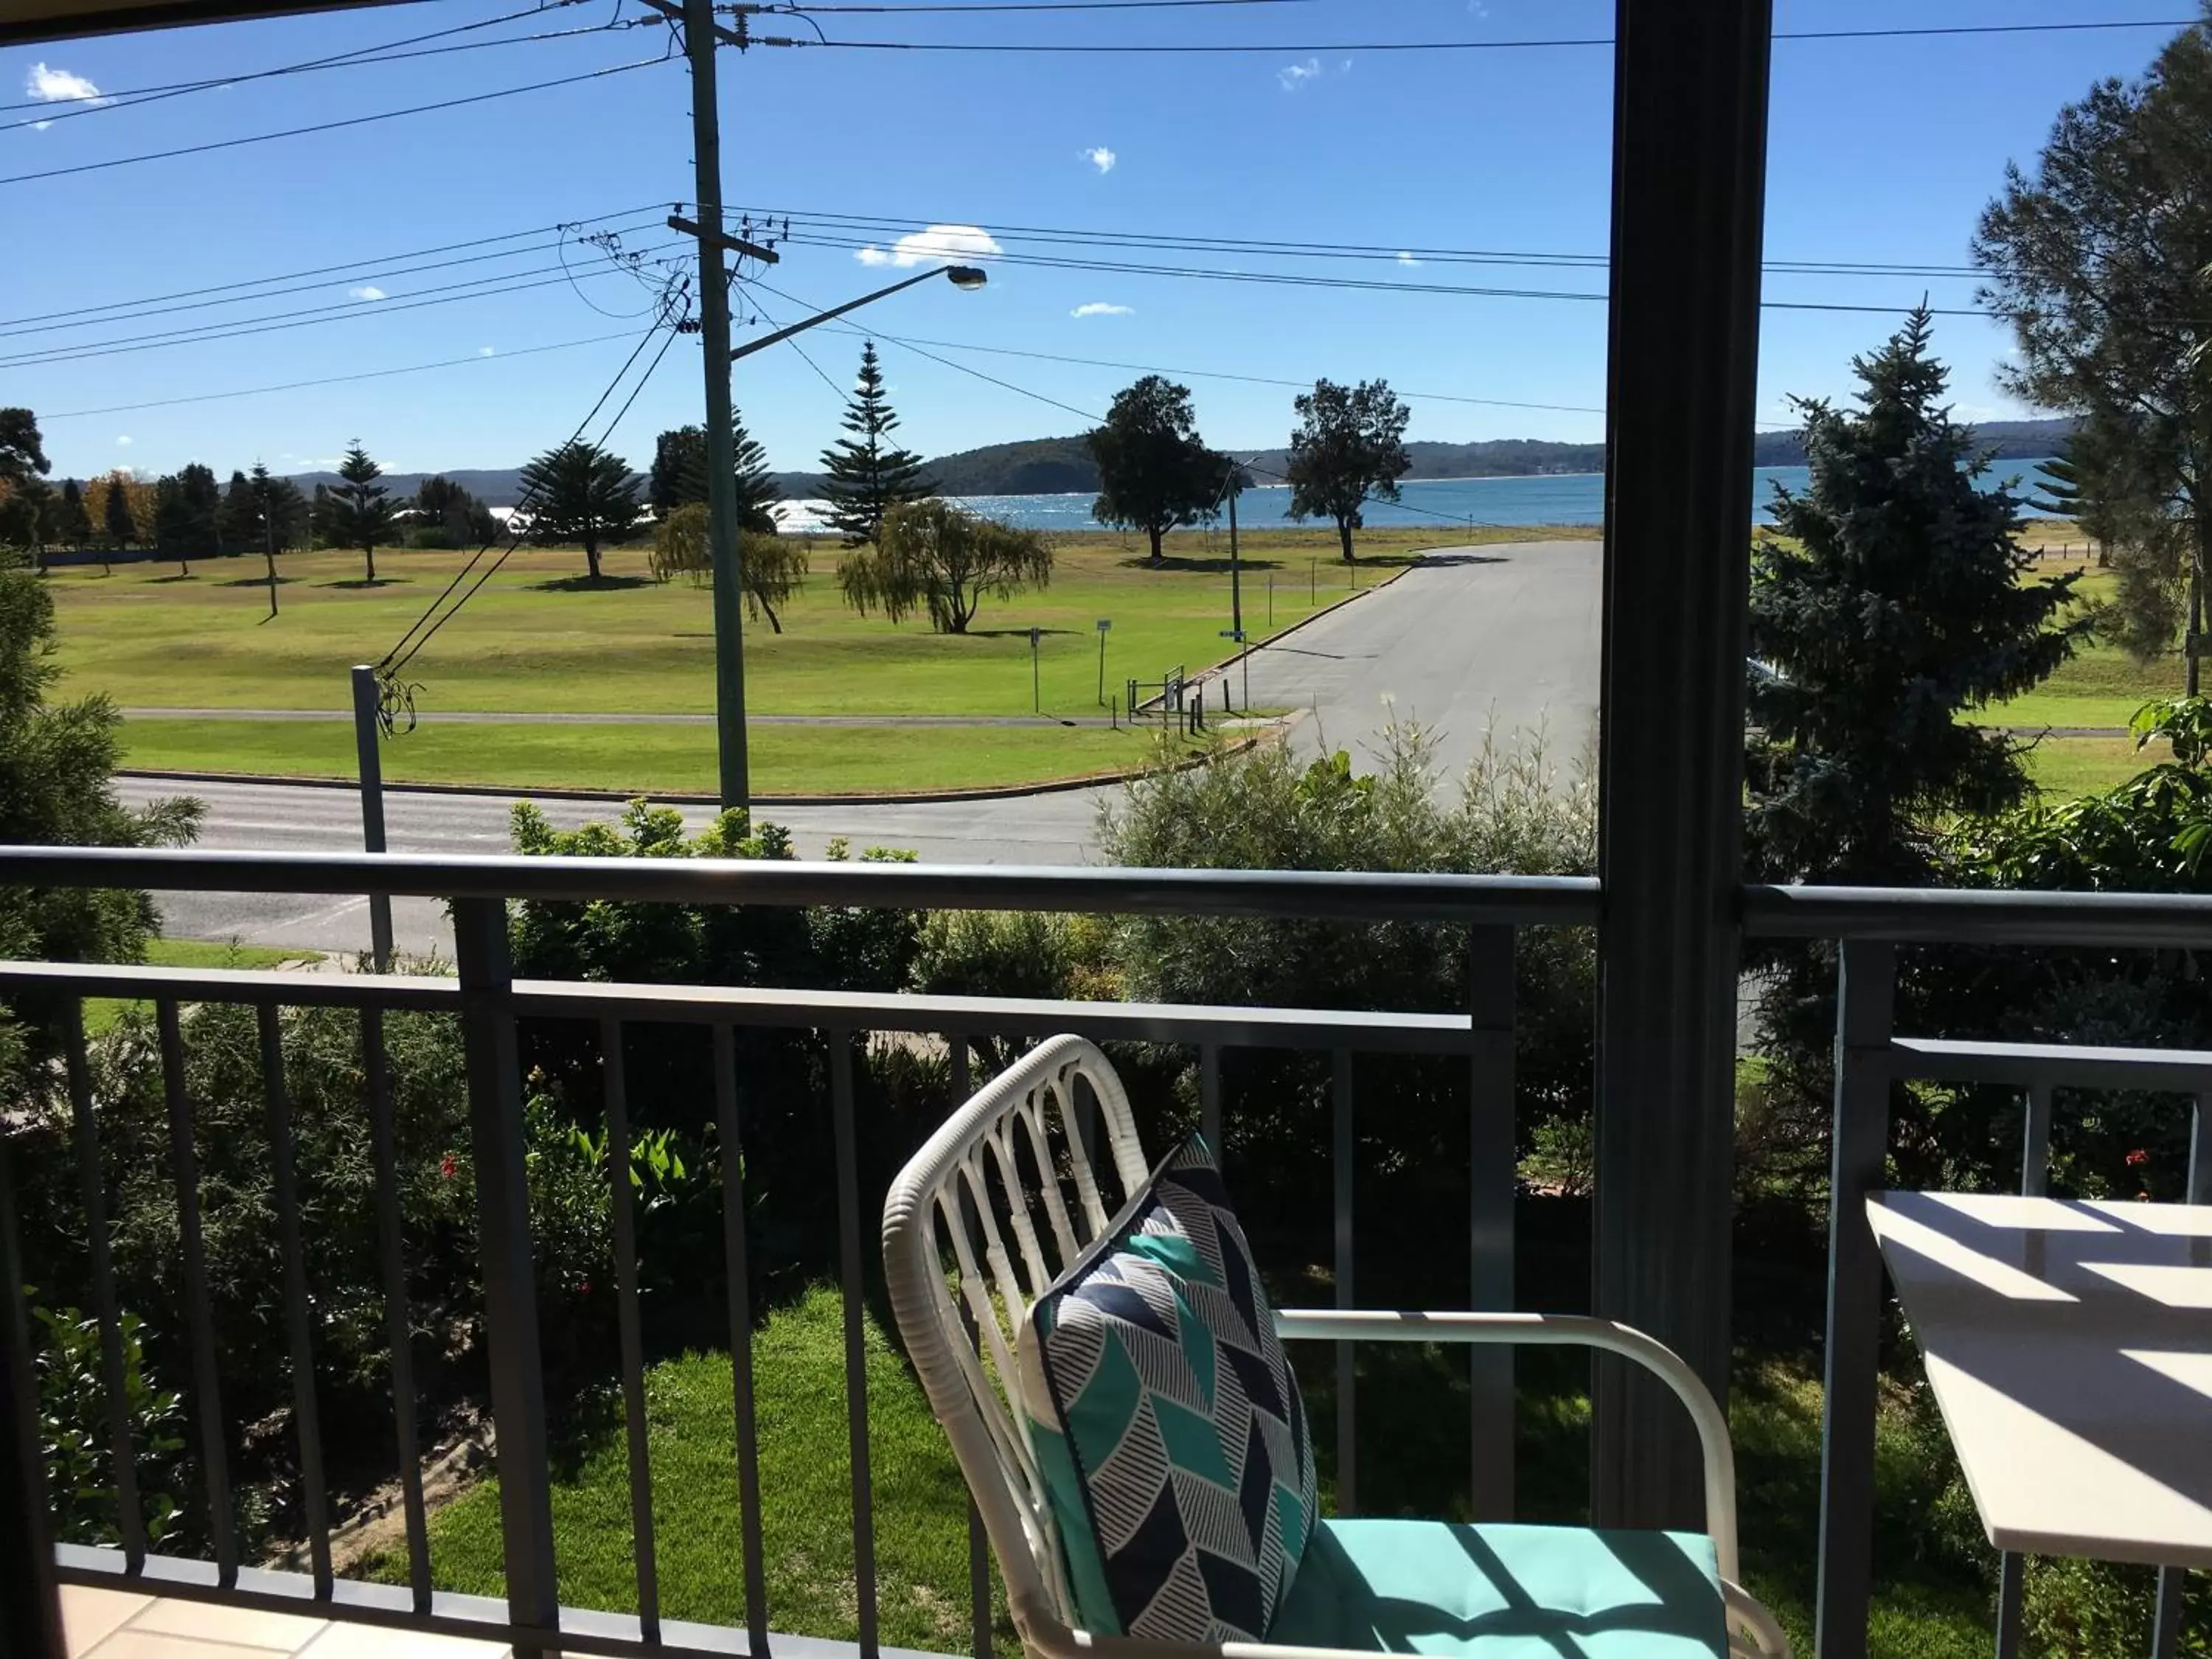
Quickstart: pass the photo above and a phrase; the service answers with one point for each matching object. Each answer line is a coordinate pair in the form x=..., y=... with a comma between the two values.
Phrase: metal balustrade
x=487, y=1001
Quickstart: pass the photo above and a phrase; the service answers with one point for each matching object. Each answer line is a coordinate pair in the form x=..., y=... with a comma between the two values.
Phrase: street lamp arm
x=783, y=334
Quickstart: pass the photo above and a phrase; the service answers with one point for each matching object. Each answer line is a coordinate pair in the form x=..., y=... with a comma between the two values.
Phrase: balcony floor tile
x=242, y=1627
x=90, y=1616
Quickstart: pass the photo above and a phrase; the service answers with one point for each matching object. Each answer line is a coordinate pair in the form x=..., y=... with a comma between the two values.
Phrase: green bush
x=74, y=1438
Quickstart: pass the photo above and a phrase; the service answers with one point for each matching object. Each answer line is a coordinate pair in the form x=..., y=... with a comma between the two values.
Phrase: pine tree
x=122, y=530
x=679, y=476
x=359, y=512
x=239, y=520
x=868, y=476
x=580, y=493
x=73, y=526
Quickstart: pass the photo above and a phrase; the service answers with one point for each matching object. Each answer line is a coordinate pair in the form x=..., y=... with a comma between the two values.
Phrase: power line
x=1011, y=5
x=891, y=225
x=351, y=267
x=1214, y=48
x=331, y=126
x=283, y=321
x=118, y=314
x=110, y=102
x=330, y=380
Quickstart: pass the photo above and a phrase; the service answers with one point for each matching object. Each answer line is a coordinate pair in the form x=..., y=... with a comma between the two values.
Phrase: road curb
x=698, y=798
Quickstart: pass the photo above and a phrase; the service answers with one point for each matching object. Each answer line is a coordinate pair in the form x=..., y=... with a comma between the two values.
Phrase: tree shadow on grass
x=352, y=582
x=1219, y=567
x=259, y=581
x=1023, y=633
x=591, y=584
x=164, y=581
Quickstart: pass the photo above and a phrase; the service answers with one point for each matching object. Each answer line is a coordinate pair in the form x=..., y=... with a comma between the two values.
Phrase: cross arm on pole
x=723, y=239
x=736, y=37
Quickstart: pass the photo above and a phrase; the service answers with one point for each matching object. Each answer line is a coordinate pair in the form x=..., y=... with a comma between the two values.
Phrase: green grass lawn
x=535, y=640
x=784, y=760
x=921, y=1504
x=101, y=1012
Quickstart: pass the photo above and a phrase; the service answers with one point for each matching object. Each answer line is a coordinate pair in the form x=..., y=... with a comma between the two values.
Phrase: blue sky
x=1881, y=150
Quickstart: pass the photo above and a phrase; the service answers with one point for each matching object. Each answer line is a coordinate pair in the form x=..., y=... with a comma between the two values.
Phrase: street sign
x=1036, y=634
x=1237, y=634
x=1105, y=623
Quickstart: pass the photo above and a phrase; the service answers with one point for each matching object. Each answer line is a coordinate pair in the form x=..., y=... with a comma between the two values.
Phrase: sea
x=1575, y=498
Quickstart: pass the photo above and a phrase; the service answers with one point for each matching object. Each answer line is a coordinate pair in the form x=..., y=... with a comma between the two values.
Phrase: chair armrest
x=1534, y=1329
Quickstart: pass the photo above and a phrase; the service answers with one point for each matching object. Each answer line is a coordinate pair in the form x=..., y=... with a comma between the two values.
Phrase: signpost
x=365, y=700
x=1036, y=691
x=1105, y=623
x=1245, y=657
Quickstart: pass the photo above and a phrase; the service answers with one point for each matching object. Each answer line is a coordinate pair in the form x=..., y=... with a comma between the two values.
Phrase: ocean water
x=1573, y=498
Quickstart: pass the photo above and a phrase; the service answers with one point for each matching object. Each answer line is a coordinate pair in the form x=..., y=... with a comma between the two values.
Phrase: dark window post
x=1689, y=179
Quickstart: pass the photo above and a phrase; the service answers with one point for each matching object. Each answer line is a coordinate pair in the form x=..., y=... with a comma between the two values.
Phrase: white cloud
x=54, y=85
x=123, y=439
x=1102, y=309
x=1406, y=259
x=369, y=293
x=1102, y=158
x=936, y=245
x=484, y=351
x=1294, y=76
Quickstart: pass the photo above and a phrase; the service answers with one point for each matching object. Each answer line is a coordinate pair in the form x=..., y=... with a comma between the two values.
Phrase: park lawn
x=651, y=759
x=101, y=1012
x=921, y=1504
x=537, y=639
x=2064, y=768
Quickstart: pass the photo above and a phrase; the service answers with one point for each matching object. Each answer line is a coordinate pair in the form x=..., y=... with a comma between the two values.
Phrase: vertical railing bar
x=735, y=1264
x=2200, y=1150
x=2172, y=1612
x=979, y=1552
x=2011, y=1590
x=617, y=1086
x=398, y=1323
x=2034, y=1182
x=856, y=1350
x=285, y=1177
x=2035, y=1142
x=1492, y=1182
x=1866, y=987
x=184, y=1168
x=130, y=1519
x=30, y=1599
x=1209, y=1099
x=1347, y=1450
x=514, y=1357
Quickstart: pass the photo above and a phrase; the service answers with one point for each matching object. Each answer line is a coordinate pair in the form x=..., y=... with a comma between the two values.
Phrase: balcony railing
x=487, y=1001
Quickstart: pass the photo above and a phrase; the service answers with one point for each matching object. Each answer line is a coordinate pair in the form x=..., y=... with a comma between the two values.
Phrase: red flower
x=2137, y=1158
x=584, y=1288
x=447, y=1167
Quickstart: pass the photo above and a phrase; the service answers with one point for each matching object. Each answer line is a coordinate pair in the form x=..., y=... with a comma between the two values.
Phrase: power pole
x=700, y=35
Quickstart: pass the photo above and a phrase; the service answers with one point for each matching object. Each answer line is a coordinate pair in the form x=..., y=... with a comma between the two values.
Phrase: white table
x=2069, y=1346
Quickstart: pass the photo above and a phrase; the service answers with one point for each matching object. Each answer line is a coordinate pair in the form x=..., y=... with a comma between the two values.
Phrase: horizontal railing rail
x=1317, y=895
x=1938, y=915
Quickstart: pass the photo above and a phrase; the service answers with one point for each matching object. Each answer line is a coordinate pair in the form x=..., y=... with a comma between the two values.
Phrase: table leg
x=2012, y=1577
x=2166, y=1633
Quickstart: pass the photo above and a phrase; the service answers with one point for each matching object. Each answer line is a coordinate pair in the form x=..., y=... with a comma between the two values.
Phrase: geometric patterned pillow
x=1167, y=1423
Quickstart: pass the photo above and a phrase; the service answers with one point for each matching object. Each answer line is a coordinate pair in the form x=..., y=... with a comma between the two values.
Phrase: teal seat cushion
x=1504, y=1592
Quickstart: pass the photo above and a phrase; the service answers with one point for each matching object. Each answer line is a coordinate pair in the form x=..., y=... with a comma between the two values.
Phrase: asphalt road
x=1505, y=635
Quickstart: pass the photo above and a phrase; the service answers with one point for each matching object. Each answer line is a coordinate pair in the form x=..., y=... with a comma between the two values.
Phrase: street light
x=966, y=278
x=722, y=542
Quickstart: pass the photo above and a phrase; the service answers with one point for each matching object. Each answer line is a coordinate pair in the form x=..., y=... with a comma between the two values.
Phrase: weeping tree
x=770, y=568
x=937, y=557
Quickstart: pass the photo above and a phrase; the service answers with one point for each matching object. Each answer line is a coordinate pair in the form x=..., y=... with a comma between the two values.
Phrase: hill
x=1052, y=466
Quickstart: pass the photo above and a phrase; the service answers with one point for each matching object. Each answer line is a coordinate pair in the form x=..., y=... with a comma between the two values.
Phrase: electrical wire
x=330, y=126
x=1013, y=5
x=396, y=697
x=108, y=103
x=480, y=289
x=1217, y=48
x=351, y=267
x=332, y=380
x=355, y=277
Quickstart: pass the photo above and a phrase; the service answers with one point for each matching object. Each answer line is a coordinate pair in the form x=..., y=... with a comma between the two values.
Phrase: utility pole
x=269, y=544
x=700, y=35
x=1235, y=568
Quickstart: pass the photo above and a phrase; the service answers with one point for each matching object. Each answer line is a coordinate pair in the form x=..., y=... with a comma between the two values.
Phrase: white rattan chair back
x=999, y=1201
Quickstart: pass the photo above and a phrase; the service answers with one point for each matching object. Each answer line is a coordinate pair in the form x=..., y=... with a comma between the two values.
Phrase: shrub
x=73, y=1438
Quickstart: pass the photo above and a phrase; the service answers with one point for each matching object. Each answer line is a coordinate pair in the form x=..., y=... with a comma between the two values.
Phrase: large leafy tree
x=869, y=473
x=1349, y=449
x=56, y=763
x=679, y=475
x=24, y=508
x=240, y=516
x=72, y=524
x=187, y=512
x=770, y=568
x=580, y=493
x=359, y=511
x=941, y=559
x=2098, y=259
x=448, y=515
x=117, y=518
x=1155, y=474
